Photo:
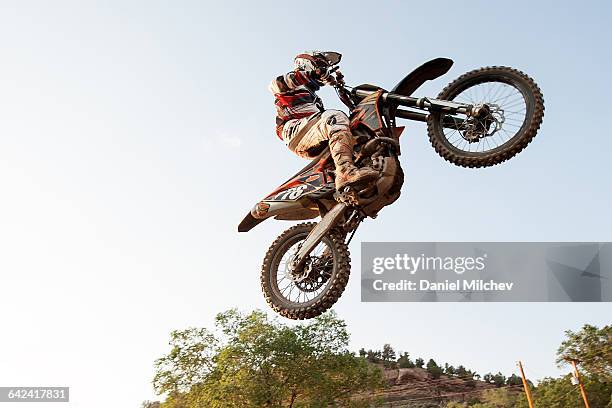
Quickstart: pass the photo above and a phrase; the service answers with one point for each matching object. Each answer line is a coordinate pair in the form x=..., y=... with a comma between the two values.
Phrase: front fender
x=428, y=71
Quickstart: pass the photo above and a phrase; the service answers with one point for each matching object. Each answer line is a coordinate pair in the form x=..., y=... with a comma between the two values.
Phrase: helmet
x=312, y=60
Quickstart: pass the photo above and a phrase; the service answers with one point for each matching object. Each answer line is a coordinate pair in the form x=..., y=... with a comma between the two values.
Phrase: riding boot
x=341, y=147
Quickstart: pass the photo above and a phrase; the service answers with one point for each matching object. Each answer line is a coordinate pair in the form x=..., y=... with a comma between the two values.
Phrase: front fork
x=429, y=104
x=329, y=221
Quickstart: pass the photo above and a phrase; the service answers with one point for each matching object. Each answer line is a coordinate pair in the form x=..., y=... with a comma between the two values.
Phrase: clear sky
x=134, y=136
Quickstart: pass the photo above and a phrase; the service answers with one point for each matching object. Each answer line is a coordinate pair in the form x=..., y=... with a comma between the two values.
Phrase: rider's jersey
x=295, y=97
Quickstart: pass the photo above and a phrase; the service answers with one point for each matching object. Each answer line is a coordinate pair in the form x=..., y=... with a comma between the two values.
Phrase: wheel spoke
x=484, y=136
x=301, y=288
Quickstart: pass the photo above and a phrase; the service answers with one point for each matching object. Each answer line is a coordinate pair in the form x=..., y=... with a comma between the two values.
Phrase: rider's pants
x=305, y=136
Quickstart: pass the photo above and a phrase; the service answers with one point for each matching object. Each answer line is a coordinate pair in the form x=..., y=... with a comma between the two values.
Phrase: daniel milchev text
x=415, y=264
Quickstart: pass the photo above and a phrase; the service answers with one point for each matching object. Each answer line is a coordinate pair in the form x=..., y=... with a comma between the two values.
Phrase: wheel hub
x=479, y=125
x=314, y=274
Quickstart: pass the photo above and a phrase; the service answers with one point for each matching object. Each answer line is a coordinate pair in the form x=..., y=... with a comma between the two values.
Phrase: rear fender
x=296, y=199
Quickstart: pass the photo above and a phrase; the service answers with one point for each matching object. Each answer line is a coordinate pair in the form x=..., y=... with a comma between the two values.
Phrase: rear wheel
x=311, y=291
x=513, y=108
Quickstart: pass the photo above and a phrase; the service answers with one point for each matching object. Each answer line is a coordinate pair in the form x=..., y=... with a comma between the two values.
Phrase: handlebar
x=427, y=104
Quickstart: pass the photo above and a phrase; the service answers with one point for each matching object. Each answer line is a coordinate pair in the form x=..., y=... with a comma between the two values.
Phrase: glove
x=321, y=75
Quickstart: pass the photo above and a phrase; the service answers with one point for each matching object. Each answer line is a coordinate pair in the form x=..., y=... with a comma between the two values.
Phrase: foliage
x=404, y=361
x=371, y=356
x=455, y=404
x=253, y=361
x=499, y=398
x=514, y=380
x=592, y=347
x=560, y=392
x=189, y=362
x=549, y=393
x=498, y=379
x=462, y=372
x=493, y=398
x=388, y=356
x=433, y=369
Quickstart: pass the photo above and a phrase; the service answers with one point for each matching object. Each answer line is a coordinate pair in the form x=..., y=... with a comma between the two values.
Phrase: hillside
x=415, y=388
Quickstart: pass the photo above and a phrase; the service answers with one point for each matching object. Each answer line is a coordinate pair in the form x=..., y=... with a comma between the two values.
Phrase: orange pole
x=526, y=386
x=582, y=391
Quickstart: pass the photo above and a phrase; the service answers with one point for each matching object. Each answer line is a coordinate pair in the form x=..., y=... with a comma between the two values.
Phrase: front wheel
x=311, y=291
x=512, y=107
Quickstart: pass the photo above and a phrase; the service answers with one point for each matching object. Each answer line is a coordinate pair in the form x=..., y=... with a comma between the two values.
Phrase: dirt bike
x=481, y=119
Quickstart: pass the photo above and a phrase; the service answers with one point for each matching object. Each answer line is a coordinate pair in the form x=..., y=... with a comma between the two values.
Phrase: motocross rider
x=306, y=127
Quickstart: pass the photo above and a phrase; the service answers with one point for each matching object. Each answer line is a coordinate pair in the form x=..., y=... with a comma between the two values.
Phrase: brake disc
x=479, y=126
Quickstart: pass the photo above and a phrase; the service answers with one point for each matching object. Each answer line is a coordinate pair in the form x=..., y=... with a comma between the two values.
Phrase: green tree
x=462, y=372
x=449, y=370
x=189, y=362
x=388, y=356
x=419, y=362
x=404, y=361
x=374, y=356
x=514, y=380
x=469, y=377
x=258, y=362
x=592, y=347
x=434, y=369
x=499, y=380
